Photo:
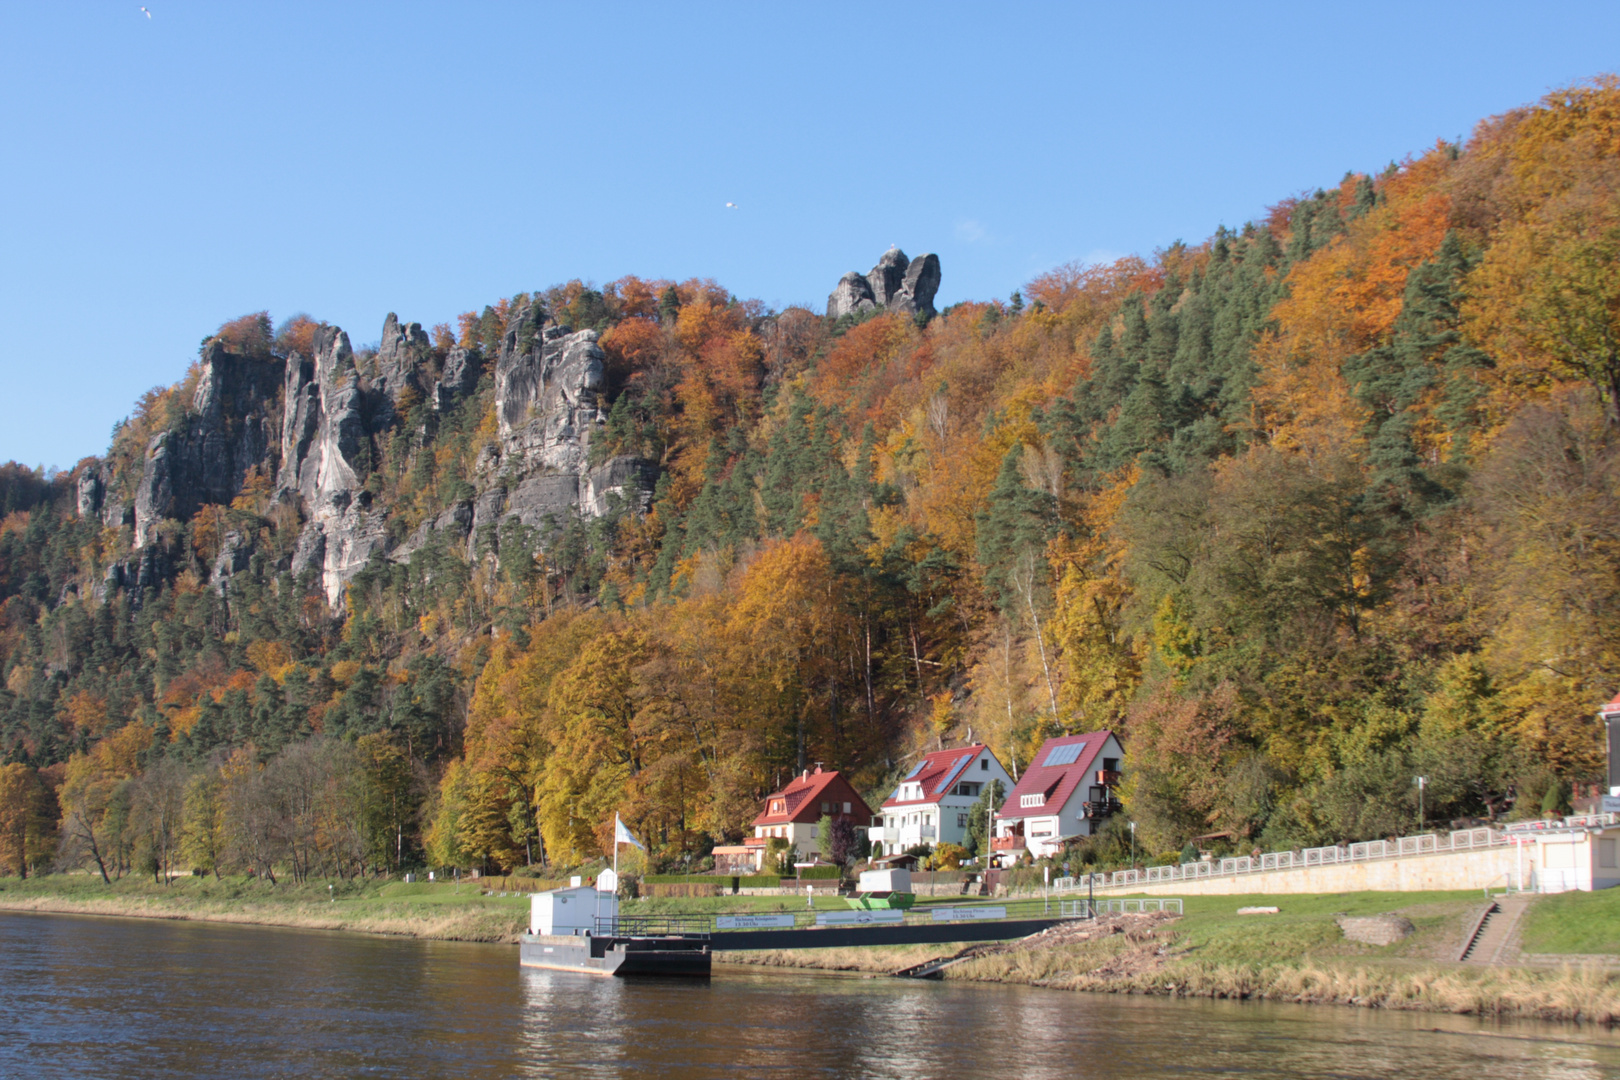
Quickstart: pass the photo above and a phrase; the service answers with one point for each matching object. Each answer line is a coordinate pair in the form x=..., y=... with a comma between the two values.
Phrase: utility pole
x=1422, y=782
x=1133, y=845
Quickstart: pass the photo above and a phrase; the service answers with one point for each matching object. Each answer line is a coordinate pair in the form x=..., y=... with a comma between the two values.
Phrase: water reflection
x=83, y=997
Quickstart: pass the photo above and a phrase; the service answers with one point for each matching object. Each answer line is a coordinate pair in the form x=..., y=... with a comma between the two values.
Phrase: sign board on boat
x=961, y=914
x=859, y=918
x=751, y=922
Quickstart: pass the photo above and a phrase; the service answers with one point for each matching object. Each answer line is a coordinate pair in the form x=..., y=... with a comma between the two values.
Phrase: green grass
x=1574, y=923
x=437, y=910
x=1305, y=925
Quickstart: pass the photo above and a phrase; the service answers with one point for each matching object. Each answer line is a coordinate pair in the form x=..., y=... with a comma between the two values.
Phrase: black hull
x=617, y=956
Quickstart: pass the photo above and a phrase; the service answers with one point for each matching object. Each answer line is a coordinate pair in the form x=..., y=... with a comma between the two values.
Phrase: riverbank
x=442, y=911
x=1568, y=969
x=445, y=912
x=1298, y=955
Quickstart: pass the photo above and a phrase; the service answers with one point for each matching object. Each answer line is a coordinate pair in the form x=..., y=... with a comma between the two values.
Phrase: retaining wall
x=1441, y=871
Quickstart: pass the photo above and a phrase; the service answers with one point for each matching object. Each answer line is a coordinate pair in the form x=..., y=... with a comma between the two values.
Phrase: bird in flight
x=148, y=14
x=731, y=206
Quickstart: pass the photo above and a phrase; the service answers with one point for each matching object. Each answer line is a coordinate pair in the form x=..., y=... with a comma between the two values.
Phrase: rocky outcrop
x=327, y=459
x=547, y=381
x=896, y=283
x=315, y=424
x=230, y=428
x=400, y=355
x=852, y=295
x=462, y=370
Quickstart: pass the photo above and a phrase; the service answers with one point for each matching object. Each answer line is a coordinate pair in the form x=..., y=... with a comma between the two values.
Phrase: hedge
x=819, y=873
x=722, y=880
x=759, y=881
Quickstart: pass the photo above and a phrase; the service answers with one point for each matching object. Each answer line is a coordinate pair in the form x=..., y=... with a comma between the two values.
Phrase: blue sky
x=163, y=175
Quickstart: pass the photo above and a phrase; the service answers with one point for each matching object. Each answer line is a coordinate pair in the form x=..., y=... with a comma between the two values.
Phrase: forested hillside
x=1301, y=511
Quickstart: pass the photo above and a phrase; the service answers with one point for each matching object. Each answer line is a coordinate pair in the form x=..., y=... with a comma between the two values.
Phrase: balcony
x=878, y=835
x=1108, y=777
x=1101, y=808
x=1006, y=843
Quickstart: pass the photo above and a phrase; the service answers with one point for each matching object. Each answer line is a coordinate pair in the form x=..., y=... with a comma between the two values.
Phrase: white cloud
x=971, y=232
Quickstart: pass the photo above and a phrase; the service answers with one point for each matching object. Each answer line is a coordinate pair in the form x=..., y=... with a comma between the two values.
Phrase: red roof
x=1612, y=707
x=803, y=797
x=1056, y=782
x=935, y=773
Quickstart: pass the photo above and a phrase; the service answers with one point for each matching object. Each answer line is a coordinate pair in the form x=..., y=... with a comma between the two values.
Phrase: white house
x=932, y=803
x=1067, y=792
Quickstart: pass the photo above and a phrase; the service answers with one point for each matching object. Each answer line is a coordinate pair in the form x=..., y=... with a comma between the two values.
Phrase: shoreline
x=1153, y=955
x=466, y=924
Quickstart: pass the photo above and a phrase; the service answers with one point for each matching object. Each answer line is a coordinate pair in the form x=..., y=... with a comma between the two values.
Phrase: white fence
x=1090, y=909
x=1402, y=847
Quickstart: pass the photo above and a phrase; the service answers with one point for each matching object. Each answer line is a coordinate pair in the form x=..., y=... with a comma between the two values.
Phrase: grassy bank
x=1574, y=923
x=441, y=910
x=1298, y=955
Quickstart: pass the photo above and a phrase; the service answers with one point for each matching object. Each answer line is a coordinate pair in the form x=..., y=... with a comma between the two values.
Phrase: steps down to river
x=1488, y=942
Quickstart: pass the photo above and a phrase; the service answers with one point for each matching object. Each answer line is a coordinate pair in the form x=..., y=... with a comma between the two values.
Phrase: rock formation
x=229, y=429
x=315, y=427
x=896, y=283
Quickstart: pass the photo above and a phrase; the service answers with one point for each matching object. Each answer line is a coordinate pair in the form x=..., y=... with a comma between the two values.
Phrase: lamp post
x=1133, y=845
x=1422, y=782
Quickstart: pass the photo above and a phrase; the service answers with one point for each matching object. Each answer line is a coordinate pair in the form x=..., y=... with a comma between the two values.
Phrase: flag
x=621, y=835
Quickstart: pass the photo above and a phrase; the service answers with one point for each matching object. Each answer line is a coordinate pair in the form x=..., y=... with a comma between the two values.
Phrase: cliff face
x=314, y=425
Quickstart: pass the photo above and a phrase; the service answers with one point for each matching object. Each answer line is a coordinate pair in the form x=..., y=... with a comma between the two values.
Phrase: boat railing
x=653, y=926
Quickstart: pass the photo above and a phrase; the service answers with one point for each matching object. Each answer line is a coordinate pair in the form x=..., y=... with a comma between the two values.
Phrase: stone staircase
x=1492, y=935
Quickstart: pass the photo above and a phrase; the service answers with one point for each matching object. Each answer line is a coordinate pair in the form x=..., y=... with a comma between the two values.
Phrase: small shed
x=573, y=910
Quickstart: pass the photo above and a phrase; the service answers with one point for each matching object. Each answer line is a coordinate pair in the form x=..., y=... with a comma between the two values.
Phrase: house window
x=1037, y=799
x=961, y=822
x=825, y=807
x=846, y=808
x=984, y=763
x=1608, y=856
x=814, y=829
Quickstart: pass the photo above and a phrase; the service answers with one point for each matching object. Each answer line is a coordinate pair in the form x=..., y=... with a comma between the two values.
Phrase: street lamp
x=1133, y=845
x=1422, y=782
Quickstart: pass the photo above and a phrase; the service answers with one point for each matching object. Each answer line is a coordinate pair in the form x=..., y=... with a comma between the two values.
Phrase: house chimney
x=805, y=775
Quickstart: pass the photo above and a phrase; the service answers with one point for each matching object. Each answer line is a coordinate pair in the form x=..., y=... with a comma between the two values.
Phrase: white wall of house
x=806, y=838
x=944, y=821
x=1044, y=826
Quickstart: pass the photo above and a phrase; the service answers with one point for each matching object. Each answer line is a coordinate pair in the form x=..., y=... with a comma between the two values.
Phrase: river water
x=89, y=997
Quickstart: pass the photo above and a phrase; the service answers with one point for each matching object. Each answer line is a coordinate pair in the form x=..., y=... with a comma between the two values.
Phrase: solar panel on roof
x=945, y=783
x=1063, y=755
x=916, y=769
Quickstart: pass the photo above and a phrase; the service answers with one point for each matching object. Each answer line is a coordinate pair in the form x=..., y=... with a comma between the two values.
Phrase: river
x=89, y=997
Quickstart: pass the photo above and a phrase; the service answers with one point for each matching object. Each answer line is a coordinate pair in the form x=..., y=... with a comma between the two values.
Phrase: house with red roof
x=1066, y=793
x=795, y=814
x=931, y=804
